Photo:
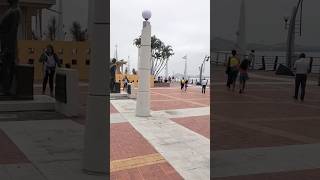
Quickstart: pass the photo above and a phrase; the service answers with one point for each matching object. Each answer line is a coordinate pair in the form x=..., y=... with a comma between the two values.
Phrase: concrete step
x=39, y=103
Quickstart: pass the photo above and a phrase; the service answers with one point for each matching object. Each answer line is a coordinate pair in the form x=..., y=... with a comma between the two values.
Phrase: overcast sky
x=183, y=24
x=265, y=23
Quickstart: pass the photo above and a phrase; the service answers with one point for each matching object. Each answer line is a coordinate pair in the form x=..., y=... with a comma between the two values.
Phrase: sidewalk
x=178, y=133
x=173, y=144
x=264, y=133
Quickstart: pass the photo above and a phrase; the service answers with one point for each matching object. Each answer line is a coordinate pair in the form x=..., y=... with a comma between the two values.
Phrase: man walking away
x=204, y=83
x=302, y=67
x=251, y=59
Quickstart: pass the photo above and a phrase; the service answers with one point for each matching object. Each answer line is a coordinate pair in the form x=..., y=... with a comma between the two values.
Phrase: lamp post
x=292, y=32
x=206, y=59
x=144, y=67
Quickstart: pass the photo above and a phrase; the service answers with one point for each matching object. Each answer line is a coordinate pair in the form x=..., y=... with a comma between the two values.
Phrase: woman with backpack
x=232, y=69
x=50, y=61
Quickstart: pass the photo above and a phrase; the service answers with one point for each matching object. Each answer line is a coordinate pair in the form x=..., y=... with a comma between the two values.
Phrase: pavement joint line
x=184, y=100
x=296, y=137
x=296, y=118
x=135, y=162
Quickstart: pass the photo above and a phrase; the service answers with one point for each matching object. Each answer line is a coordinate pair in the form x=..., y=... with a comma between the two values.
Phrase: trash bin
x=129, y=88
x=117, y=87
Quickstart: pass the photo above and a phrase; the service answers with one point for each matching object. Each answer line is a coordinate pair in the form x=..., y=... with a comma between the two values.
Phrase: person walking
x=204, y=84
x=232, y=70
x=302, y=67
x=50, y=61
x=182, y=82
x=251, y=59
x=244, y=66
x=186, y=85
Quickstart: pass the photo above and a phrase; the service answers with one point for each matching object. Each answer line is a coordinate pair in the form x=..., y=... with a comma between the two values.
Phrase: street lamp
x=146, y=14
x=292, y=31
x=206, y=59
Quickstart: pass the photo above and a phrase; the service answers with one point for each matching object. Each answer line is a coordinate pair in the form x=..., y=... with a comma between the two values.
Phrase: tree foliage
x=78, y=34
x=160, y=54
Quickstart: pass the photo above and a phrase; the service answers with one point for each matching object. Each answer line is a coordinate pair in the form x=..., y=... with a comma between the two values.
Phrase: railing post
x=275, y=63
x=310, y=65
x=263, y=63
x=217, y=58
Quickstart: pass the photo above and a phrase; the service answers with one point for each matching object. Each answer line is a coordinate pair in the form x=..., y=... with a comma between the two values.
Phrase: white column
x=96, y=149
x=143, y=96
x=60, y=33
x=185, y=69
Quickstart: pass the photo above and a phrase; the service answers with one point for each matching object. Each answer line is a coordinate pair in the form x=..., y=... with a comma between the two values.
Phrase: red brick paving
x=198, y=124
x=229, y=136
x=305, y=127
x=9, y=152
x=126, y=142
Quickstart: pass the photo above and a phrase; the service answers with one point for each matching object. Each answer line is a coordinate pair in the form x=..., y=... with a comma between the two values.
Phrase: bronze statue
x=9, y=24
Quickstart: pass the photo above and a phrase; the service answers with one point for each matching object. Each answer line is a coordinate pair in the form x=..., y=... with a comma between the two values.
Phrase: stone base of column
x=97, y=143
x=143, y=104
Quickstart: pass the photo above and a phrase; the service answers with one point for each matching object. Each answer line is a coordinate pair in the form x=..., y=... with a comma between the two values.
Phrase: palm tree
x=76, y=31
x=160, y=54
x=166, y=53
x=52, y=28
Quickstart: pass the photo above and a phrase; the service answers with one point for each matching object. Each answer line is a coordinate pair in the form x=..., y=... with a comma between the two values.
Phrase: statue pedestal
x=24, y=78
x=22, y=85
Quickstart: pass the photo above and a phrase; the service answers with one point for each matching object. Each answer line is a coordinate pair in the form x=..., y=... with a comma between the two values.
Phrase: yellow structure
x=134, y=79
x=77, y=54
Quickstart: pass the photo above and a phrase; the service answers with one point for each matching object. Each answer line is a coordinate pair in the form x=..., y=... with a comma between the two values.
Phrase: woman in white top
x=50, y=61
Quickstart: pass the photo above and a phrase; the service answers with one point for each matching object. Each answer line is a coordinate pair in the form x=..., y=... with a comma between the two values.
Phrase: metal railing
x=267, y=63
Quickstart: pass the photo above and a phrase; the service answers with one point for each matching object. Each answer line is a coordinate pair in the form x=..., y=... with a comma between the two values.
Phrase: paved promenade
x=264, y=133
x=176, y=137
x=172, y=144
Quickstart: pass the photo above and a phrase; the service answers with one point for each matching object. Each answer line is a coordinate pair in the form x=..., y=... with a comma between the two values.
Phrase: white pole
x=96, y=140
x=167, y=70
x=60, y=22
x=185, y=68
x=144, y=67
x=241, y=36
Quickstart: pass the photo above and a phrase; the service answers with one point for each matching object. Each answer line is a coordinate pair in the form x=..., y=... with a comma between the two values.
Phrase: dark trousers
x=204, y=89
x=301, y=80
x=49, y=74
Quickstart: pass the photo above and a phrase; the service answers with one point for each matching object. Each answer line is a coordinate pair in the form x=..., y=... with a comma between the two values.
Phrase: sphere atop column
x=146, y=14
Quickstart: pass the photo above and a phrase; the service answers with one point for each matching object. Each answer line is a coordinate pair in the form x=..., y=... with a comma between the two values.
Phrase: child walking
x=243, y=74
